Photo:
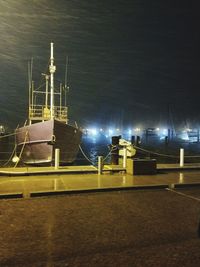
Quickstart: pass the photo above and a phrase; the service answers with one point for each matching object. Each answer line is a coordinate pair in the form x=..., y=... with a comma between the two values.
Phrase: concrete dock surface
x=112, y=219
x=30, y=182
x=106, y=229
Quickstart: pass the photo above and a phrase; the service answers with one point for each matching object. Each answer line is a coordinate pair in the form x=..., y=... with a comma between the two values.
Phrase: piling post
x=133, y=139
x=181, y=157
x=100, y=164
x=169, y=135
x=115, y=152
x=138, y=140
x=57, y=158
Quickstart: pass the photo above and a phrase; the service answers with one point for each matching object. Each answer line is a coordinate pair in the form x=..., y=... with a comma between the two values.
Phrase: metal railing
x=40, y=112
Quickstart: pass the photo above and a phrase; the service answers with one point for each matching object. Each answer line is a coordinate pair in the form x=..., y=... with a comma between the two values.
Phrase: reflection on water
x=91, y=148
x=181, y=177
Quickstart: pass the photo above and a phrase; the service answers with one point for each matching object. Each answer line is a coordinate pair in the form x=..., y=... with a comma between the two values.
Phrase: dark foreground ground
x=121, y=228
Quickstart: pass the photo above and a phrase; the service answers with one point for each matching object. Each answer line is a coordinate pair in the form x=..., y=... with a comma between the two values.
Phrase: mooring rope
x=11, y=156
x=164, y=155
x=86, y=157
x=113, y=148
x=24, y=143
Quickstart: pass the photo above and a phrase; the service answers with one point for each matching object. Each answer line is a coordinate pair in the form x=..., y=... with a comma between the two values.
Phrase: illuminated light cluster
x=91, y=131
x=111, y=131
x=187, y=134
x=137, y=130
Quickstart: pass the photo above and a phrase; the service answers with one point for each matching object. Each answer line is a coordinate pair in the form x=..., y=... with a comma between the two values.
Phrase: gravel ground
x=123, y=228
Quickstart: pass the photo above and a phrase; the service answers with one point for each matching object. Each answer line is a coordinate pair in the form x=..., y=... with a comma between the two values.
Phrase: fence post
x=57, y=158
x=124, y=157
x=100, y=164
x=181, y=157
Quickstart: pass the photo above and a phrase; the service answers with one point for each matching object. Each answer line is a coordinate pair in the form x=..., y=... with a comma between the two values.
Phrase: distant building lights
x=92, y=131
x=137, y=130
x=110, y=131
x=189, y=130
x=164, y=131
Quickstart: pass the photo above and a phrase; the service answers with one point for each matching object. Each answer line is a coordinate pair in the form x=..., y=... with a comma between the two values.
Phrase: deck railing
x=42, y=113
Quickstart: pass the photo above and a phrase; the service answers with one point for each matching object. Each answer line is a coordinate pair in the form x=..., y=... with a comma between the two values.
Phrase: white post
x=124, y=157
x=181, y=157
x=100, y=164
x=57, y=158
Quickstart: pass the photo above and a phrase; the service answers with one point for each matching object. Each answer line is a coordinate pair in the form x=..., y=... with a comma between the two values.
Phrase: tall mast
x=30, y=85
x=52, y=70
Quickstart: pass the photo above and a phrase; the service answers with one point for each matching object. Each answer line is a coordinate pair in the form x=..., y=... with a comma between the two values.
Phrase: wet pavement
x=100, y=220
x=120, y=228
x=34, y=185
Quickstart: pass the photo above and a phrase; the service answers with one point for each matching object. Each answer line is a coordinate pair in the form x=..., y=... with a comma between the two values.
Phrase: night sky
x=131, y=62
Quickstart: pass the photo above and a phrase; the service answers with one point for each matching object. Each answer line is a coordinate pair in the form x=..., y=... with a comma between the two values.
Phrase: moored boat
x=48, y=128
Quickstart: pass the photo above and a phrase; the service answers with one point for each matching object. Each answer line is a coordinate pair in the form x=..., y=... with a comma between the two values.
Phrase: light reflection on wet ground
x=68, y=182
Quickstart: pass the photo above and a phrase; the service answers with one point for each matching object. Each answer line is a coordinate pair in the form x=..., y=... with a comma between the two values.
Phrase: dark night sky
x=130, y=61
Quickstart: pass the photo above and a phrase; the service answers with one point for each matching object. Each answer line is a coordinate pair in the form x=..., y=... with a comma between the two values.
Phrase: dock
x=23, y=182
x=26, y=171
x=30, y=170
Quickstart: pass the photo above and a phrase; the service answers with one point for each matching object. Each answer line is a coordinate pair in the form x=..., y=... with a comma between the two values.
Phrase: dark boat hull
x=36, y=143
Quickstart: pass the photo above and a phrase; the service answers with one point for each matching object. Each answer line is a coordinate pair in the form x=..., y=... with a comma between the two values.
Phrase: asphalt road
x=121, y=228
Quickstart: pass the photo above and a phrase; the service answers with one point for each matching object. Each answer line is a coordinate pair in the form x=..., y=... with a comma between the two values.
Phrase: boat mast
x=30, y=85
x=52, y=70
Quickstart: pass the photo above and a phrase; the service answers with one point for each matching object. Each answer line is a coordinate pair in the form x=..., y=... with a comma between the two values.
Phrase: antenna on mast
x=30, y=83
x=66, y=86
x=52, y=70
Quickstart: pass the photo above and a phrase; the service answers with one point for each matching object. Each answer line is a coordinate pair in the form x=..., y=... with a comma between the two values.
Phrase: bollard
x=181, y=157
x=100, y=164
x=57, y=158
x=124, y=157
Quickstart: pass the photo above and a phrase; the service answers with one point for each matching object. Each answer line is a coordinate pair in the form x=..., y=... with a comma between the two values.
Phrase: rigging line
x=6, y=135
x=182, y=194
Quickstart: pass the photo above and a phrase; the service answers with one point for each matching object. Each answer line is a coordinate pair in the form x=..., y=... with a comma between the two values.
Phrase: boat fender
x=15, y=159
x=53, y=140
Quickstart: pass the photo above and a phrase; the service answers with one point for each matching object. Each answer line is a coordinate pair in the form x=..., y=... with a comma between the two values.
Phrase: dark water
x=91, y=147
x=153, y=148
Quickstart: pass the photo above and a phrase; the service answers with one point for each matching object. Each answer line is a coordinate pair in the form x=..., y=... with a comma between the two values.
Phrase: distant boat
x=2, y=130
x=48, y=127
